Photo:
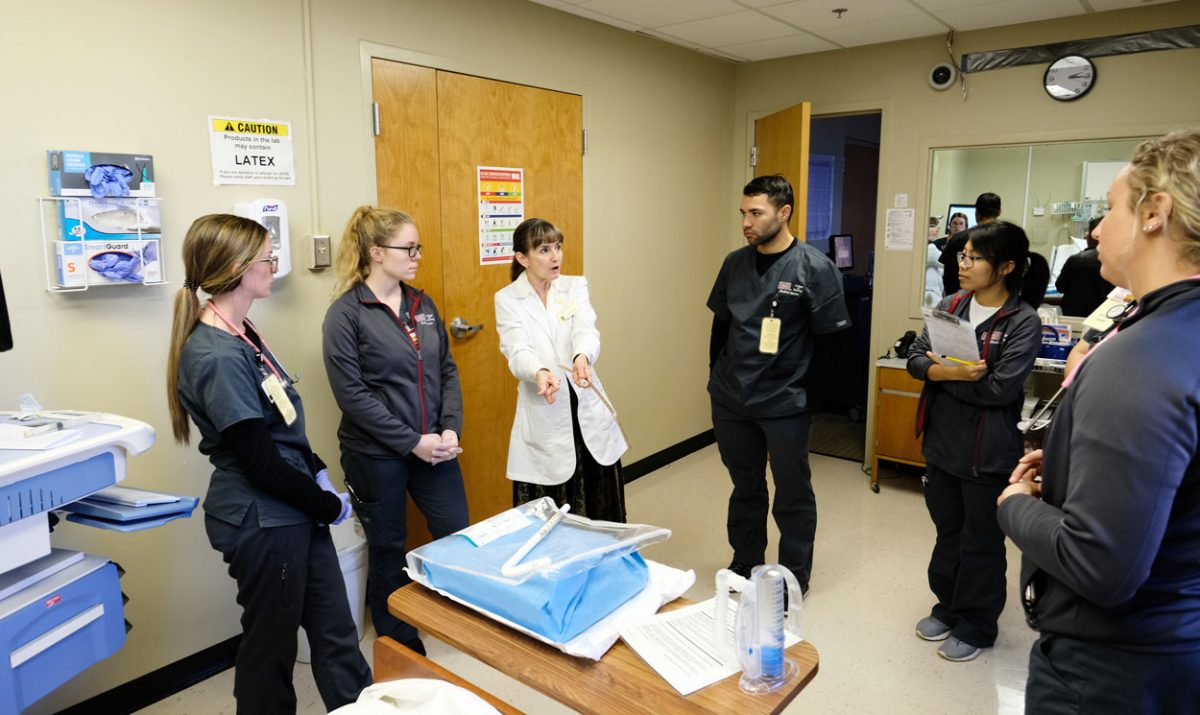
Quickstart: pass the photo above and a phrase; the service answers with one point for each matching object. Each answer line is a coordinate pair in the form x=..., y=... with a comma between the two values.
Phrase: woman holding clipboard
x=968, y=413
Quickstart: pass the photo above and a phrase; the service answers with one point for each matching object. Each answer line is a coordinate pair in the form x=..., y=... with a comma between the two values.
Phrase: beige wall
x=1135, y=95
x=668, y=137
x=655, y=186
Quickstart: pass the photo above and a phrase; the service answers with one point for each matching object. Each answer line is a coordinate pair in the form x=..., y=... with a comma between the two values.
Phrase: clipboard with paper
x=950, y=335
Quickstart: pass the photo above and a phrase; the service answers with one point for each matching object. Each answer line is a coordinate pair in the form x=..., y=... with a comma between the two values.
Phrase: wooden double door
x=436, y=128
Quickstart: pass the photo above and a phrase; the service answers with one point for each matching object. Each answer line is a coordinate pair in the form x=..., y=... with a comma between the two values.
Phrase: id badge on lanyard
x=276, y=392
x=768, y=336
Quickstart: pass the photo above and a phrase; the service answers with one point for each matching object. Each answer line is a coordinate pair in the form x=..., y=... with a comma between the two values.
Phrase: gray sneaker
x=958, y=651
x=931, y=629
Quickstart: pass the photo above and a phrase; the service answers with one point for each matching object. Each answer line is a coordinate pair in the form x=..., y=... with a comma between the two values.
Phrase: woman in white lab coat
x=568, y=449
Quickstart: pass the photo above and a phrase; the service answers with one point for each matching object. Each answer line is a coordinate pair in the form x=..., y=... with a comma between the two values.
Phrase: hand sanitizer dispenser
x=271, y=213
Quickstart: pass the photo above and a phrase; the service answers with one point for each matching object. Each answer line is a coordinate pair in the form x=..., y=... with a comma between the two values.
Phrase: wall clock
x=1069, y=77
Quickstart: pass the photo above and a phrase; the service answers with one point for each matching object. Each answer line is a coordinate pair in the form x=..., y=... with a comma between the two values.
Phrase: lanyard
x=265, y=347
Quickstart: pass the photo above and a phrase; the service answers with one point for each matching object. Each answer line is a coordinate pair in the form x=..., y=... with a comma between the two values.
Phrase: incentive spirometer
x=272, y=214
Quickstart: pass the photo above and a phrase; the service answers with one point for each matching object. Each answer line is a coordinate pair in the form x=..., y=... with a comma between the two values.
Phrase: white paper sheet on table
x=951, y=335
x=681, y=647
x=665, y=584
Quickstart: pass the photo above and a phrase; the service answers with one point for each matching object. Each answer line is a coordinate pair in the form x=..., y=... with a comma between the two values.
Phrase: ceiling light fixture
x=839, y=12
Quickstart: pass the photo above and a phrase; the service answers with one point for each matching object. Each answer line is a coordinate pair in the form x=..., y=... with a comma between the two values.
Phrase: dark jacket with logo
x=1112, y=549
x=971, y=427
x=389, y=390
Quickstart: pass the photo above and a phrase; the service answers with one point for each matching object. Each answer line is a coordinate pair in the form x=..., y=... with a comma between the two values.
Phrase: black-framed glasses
x=273, y=260
x=966, y=260
x=413, y=250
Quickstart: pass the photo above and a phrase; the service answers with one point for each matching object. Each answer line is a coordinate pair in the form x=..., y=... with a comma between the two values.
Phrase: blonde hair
x=217, y=251
x=1171, y=164
x=368, y=227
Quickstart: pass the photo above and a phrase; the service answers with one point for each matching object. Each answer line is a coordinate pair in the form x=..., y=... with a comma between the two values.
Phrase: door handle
x=460, y=328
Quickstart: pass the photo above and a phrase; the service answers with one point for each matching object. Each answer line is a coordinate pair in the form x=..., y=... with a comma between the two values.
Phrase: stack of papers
x=20, y=436
x=681, y=646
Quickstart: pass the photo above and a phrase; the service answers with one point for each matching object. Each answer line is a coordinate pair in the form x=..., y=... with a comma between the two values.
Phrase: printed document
x=680, y=645
x=950, y=335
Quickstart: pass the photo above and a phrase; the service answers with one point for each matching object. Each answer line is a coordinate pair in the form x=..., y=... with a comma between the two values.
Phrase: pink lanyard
x=265, y=347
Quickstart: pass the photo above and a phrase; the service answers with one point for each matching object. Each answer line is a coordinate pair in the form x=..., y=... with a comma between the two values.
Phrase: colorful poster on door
x=501, y=209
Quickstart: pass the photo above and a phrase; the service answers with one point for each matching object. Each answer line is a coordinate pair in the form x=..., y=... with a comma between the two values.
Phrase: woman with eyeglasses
x=968, y=412
x=564, y=446
x=389, y=364
x=269, y=499
x=1110, y=536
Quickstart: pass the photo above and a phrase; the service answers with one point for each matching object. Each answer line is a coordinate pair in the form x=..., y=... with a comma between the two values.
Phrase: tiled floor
x=868, y=591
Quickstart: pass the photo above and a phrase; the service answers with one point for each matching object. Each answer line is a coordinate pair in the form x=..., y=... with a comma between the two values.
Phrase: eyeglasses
x=413, y=250
x=273, y=260
x=966, y=260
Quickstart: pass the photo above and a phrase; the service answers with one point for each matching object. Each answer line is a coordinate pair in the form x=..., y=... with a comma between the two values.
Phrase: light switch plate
x=322, y=253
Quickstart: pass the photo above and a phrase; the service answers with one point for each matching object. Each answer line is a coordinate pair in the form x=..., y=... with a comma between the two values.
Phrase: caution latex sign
x=251, y=151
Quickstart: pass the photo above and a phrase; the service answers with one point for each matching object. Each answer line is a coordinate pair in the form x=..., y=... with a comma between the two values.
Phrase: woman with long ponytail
x=389, y=364
x=968, y=413
x=269, y=500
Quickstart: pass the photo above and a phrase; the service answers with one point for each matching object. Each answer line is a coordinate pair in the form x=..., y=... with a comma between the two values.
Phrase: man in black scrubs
x=987, y=210
x=771, y=303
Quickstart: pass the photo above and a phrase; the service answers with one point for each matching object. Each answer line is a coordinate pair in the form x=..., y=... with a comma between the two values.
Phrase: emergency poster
x=251, y=151
x=501, y=209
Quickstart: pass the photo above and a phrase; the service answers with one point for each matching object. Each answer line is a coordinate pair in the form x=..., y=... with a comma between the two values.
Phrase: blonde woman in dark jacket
x=389, y=364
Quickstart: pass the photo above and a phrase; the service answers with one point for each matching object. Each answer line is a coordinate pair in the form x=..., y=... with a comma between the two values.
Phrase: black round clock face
x=1069, y=77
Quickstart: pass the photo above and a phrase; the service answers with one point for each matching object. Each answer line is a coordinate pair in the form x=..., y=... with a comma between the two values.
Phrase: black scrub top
x=220, y=384
x=806, y=288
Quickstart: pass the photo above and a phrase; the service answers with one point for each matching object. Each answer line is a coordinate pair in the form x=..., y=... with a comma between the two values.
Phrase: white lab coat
x=535, y=336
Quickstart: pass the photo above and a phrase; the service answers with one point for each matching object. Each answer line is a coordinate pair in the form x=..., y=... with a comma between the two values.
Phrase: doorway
x=436, y=129
x=842, y=191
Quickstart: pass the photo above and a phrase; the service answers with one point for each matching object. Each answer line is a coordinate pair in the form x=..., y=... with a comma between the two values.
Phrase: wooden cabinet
x=896, y=397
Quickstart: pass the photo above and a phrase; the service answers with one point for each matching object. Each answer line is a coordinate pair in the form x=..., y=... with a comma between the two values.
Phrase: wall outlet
x=321, y=253
x=1039, y=210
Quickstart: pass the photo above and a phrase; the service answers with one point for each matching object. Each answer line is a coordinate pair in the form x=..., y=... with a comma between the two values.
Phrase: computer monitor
x=843, y=251
x=968, y=209
x=821, y=244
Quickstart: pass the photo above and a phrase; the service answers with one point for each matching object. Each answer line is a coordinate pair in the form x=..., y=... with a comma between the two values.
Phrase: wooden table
x=620, y=682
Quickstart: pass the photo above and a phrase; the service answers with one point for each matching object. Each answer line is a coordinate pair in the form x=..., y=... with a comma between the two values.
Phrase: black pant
x=1069, y=676
x=287, y=577
x=967, y=571
x=381, y=486
x=745, y=443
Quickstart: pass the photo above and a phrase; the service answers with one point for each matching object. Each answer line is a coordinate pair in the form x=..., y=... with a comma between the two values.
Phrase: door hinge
x=753, y=156
x=375, y=117
x=585, y=142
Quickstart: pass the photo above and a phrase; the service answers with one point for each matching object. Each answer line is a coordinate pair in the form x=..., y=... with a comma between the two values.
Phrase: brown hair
x=531, y=233
x=1171, y=164
x=217, y=251
x=367, y=227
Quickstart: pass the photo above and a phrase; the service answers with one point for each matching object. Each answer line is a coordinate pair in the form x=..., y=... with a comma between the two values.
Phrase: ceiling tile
x=615, y=22
x=816, y=15
x=763, y=3
x=1008, y=12
x=661, y=12
x=779, y=47
x=738, y=28
x=1106, y=5
x=889, y=30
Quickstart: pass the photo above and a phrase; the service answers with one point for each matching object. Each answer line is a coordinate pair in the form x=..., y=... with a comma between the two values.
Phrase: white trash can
x=351, y=547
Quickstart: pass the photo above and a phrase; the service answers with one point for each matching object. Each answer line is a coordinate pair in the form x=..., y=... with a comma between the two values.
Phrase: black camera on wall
x=942, y=76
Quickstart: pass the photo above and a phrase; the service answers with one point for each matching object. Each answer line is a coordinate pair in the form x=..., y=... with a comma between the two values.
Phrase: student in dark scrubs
x=269, y=500
x=774, y=303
